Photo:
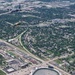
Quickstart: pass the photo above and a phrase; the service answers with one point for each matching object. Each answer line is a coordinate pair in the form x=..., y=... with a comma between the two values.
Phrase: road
x=44, y=63
x=31, y=69
x=22, y=50
x=26, y=49
x=5, y=13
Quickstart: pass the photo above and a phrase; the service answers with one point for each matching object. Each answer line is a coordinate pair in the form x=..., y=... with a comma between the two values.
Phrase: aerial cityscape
x=37, y=37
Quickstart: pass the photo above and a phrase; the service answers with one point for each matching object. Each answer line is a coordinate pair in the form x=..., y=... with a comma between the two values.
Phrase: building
x=45, y=71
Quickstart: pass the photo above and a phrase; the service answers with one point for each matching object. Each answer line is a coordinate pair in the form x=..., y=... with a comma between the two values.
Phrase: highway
x=30, y=68
x=21, y=50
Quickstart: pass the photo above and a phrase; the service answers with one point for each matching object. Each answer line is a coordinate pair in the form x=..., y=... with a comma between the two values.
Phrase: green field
x=2, y=73
x=2, y=60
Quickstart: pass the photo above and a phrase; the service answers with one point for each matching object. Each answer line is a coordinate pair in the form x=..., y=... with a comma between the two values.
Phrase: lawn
x=2, y=60
x=2, y=73
x=58, y=61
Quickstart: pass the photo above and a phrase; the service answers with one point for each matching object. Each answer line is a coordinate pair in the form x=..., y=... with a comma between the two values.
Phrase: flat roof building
x=9, y=69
